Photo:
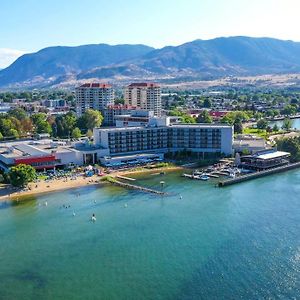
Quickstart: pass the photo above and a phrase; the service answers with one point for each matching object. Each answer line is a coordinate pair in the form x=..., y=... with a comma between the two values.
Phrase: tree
x=5, y=126
x=41, y=123
x=90, y=119
x=204, y=117
x=275, y=128
x=38, y=117
x=27, y=125
x=21, y=175
x=89, y=133
x=238, y=126
x=76, y=133
x=43, y=127
x=289, y=110
x=262, y=124
x=18, y=113
x=13, y=133
x=291, y=145
x=287, y=124
x=207, y=103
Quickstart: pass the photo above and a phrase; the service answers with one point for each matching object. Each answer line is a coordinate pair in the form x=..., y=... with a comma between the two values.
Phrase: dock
x=125, y=178
x=188, y=176
x=139, y=188
x=258, y=174
x=213, y=175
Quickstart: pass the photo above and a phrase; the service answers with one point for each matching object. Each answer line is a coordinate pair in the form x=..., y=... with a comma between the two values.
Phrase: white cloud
x=8, y=56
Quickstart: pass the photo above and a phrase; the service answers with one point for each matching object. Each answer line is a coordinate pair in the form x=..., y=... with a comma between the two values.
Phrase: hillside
x=50, y=63
x=200, y=59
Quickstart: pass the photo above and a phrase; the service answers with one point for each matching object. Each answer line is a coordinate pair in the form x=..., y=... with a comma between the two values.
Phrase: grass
x=259, y=132
x=108, y=178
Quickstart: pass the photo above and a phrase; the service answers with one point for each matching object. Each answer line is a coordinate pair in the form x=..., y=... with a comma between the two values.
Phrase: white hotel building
x=159, y=136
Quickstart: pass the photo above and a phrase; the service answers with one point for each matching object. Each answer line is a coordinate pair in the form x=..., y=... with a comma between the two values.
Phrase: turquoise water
x=295, y=123
x=239, y=242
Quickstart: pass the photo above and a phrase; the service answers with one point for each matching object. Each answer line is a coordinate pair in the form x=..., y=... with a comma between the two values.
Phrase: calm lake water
x=239, y=242
x=295, y=123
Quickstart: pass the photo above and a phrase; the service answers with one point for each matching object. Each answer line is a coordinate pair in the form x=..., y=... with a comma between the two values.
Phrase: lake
x=237, y=242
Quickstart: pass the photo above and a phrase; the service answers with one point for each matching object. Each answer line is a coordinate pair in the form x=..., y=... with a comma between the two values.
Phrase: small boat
x=197, y=172
x=232, y=174
x=204, y=177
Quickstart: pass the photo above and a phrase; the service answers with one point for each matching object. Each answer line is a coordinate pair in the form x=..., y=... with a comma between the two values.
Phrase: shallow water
x=295, y=123
x=239, y=242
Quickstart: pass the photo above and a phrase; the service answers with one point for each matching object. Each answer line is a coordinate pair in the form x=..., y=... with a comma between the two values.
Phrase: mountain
x=50, y=63
x=216, y=57
x=200, y=59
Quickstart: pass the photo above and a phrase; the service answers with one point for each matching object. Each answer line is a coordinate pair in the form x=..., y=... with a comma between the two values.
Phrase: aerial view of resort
x=149, y=150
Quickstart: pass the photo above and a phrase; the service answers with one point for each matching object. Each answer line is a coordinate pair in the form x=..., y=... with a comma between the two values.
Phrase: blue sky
x=29, y=25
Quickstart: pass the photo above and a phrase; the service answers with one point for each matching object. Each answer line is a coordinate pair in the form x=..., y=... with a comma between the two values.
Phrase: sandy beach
x=7, y=192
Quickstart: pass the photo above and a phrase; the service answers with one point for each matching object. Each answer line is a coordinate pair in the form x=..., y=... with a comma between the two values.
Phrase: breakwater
x=258, y=174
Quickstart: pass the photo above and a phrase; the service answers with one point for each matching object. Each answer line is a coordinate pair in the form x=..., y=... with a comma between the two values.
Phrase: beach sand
x=7, y=192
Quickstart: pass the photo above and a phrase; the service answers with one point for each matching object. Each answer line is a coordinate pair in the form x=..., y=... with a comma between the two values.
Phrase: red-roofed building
x=217, y=115
x=96, y=96
x=145, y=96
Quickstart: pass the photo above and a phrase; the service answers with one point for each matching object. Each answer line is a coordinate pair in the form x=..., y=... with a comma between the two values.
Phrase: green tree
x=18, y=113
x=262, y=124
x=43, y=127
x=275, y=128
x=41, y=124
x=207, y=103
x=13, y=133
x=238, y=126
x=89, y=133
x=204, y=117
x=21, y=175
x=90, y=119
x=76, y=133
x=291, y=145
x=289, y=110
x=5, y=126
x=287, y=124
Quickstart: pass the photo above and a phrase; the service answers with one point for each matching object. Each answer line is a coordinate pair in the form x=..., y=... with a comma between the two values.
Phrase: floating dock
x=125, y=178
x=258, y=174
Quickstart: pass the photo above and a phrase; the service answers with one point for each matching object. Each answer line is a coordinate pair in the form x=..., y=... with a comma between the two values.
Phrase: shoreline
x=43, y=187
x=8, y=193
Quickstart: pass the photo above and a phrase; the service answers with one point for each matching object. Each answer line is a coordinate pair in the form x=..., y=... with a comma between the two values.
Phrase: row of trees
x=16, y=123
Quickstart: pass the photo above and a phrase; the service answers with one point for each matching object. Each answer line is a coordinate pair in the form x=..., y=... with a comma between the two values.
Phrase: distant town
x=142, y=124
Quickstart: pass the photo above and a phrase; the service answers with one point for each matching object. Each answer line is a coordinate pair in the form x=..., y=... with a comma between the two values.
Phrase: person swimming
x=93, y=218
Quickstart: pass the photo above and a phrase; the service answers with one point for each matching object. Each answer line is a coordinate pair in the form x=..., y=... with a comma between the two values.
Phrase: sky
x=30, y=25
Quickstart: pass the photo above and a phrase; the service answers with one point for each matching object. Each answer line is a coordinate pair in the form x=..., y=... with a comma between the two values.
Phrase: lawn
x=259, y=132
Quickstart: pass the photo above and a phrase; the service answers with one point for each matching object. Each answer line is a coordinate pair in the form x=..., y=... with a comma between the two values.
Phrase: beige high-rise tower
x=145, y=96
x=96, y=96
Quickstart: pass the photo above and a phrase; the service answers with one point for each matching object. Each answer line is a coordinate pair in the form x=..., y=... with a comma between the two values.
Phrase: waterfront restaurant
x=263, y=160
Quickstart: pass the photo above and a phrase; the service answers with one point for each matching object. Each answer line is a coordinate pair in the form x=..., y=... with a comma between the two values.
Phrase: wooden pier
x=139, y=188
x=258, y=174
